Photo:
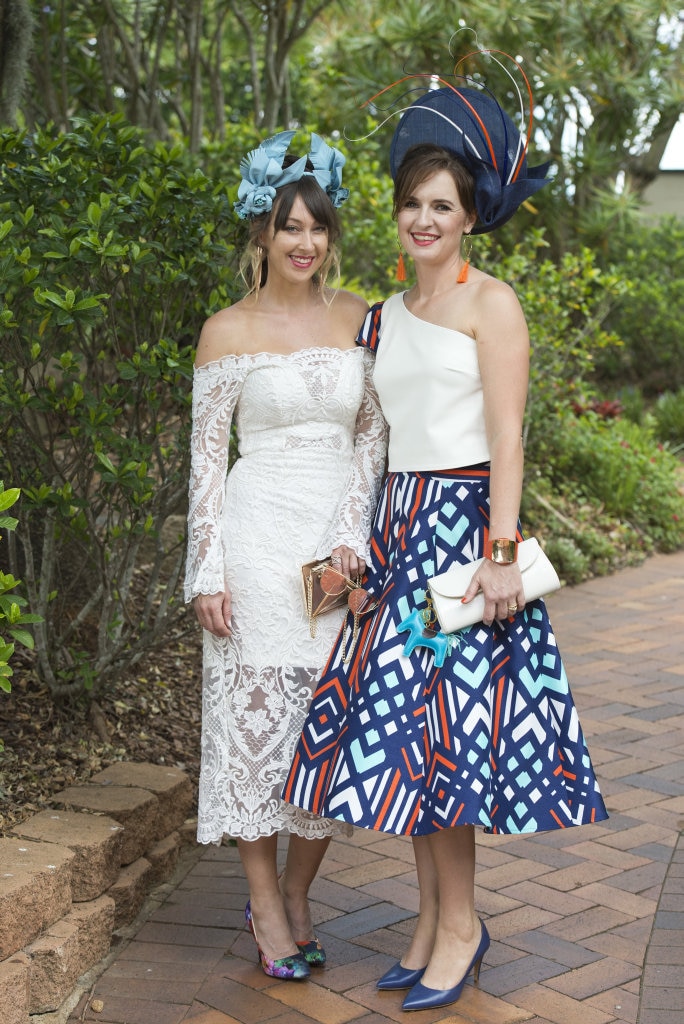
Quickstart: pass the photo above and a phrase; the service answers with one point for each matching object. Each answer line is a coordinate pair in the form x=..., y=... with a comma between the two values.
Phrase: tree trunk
x=246, y=27
x=194, y=34
x=16, y=40
x=281, y=25
x=215, y=77
x=645, y=169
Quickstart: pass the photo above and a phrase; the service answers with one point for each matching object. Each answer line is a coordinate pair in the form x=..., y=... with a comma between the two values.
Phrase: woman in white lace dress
x=283, y=365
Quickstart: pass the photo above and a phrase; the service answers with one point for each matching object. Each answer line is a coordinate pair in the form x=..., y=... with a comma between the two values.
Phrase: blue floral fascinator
x=263, y=173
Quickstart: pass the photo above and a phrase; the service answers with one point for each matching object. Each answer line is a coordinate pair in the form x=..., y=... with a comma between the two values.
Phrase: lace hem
x=292, y=820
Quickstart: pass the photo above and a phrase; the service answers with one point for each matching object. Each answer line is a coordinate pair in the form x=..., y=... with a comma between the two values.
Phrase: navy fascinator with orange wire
x=470, y=123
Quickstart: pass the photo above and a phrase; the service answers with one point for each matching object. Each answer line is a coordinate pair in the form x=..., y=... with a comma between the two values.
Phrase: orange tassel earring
x=401, y=266
x=467, y=249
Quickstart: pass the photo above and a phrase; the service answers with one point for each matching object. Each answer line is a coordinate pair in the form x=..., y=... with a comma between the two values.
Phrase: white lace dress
x=311, y=439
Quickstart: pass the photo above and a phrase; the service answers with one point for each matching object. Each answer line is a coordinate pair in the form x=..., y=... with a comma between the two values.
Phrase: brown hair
x=424, y=160
x=253, y=262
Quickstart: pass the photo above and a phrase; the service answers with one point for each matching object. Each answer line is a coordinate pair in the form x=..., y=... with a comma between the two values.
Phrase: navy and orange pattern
x=491, y=738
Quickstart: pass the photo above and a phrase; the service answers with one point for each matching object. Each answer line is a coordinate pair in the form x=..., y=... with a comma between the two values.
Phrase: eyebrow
x=299, y=223
x=450, y=202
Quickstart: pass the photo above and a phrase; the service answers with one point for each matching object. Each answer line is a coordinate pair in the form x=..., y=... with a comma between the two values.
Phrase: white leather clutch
x=446, y=590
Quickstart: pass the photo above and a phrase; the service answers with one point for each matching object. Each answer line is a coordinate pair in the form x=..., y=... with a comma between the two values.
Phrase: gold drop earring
x=467, y=244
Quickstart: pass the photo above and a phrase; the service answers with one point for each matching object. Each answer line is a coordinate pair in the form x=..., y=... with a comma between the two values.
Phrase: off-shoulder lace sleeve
x=215, y=390
x=354, y=520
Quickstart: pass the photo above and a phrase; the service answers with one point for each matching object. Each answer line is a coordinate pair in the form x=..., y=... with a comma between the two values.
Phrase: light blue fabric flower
x=327, y=169
x=262, y=173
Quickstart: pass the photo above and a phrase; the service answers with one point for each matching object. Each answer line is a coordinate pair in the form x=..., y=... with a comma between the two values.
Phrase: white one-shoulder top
x=428, y=381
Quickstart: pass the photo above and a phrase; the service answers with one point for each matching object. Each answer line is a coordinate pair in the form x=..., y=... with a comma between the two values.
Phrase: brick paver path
x=587, y=924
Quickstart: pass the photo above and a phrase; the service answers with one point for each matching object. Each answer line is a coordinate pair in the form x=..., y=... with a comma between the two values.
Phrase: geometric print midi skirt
x=491, y=738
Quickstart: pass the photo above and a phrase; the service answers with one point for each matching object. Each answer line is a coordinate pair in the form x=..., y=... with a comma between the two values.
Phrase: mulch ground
x=154, y=715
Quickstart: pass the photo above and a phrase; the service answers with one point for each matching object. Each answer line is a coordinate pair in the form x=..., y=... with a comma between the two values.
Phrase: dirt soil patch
x=154, y=715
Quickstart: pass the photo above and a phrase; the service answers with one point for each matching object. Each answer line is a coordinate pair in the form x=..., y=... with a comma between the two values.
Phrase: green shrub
x=580, y=536
x=13, y=619
x=12, y=616
x=633, y=403
x=668, y=416
x=664, y=416
x=648, y=319
x=571, y=563
x=369, y=235
x=620, y=465
x=112, y=253
x=565, y=306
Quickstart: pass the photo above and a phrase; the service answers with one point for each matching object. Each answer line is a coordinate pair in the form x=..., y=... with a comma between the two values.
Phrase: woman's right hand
x=346, y=561
x=213, y=613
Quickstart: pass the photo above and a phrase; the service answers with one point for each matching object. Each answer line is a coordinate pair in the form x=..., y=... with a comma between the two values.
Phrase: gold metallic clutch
x=324, y=589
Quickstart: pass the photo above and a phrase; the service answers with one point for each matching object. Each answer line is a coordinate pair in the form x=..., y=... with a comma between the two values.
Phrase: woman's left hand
x=347, y=561
x=502, y=588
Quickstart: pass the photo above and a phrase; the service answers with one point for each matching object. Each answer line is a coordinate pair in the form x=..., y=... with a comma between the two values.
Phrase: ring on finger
x=512, y=607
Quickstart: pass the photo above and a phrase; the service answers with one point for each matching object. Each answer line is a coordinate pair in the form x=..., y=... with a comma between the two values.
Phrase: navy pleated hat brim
x=471, y=125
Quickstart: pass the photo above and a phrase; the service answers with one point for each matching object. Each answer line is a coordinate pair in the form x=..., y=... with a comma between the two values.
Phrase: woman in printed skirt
x=396, y=740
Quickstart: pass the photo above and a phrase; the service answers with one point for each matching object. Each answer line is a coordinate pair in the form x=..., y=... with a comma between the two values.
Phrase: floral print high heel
x=311, y=949
x=313, y=952
x=287, y=968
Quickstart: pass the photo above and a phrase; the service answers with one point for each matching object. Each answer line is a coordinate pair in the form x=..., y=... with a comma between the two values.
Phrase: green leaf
x=91, y=302
x=22, y=636
x=6, y=651
x=94, y=214
x=9, y=497
x=105, y=461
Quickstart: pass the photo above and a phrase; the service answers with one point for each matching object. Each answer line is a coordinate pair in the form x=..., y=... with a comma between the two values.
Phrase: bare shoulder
x=500, y=293
x=349, y=306
x=225, y=333
x=495, y=306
